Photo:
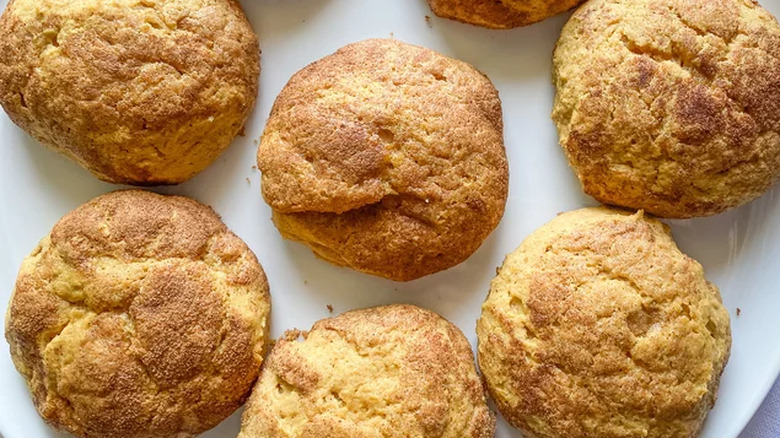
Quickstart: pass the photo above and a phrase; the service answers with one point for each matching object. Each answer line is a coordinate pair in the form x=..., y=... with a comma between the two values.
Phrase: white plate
x=740, y=249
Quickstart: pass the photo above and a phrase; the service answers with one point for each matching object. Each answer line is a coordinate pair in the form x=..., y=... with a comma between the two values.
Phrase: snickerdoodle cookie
x=387, y=158
x=395, y=371
x=136, y=91
x=500, y=14
x=671, y=106
x=139, y=315
x=597, y=325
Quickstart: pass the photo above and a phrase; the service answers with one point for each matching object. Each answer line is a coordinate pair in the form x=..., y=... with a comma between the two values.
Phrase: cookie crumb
x=254, y=167
x=248, y=181
x=330, y=308
x=739, y=311
x=294, y=335
x=428, y=21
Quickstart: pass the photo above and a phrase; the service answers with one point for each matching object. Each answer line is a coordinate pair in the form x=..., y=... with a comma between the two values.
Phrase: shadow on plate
x=288, y=15
x=517, y=54
x=718, y=241
x=452, y=288
x=67, y=182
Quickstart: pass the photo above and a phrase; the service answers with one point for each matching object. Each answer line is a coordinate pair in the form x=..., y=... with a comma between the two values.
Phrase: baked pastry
x=671, y=106
x=597, y=325
x=140, y=315
x=393, y=371
x=136, y=91
x=500, y=14
x=387, y=158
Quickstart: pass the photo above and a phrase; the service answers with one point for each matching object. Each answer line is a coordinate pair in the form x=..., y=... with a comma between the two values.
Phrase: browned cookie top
x=671, y=106
x=387, y=372
x=140, y=315
x=598, y=326
x=500, y=14
x=136, y=91
x=386, y=157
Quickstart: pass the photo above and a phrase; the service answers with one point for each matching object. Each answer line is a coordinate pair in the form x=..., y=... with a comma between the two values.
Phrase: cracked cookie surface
x=387, y=158
x=670, y=106
x=597, y=325
x=500, y=14
x=385, y=372
x=136, y=91
x=140, y=315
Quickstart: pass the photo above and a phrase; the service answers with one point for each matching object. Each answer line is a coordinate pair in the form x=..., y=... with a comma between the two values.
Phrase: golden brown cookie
x=387, y=158
x=597, y=325
x=671, y=106
x=136, y=91
x=394, y=371
x=500, y=14
x=139, y=315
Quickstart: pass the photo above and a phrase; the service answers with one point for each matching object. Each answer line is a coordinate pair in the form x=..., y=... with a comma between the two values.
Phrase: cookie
x=387, y=158
x=394, y=371
x=597, y=325
x=500, y=14
x=139, y=315
x=671, y=106
x=137, y=92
